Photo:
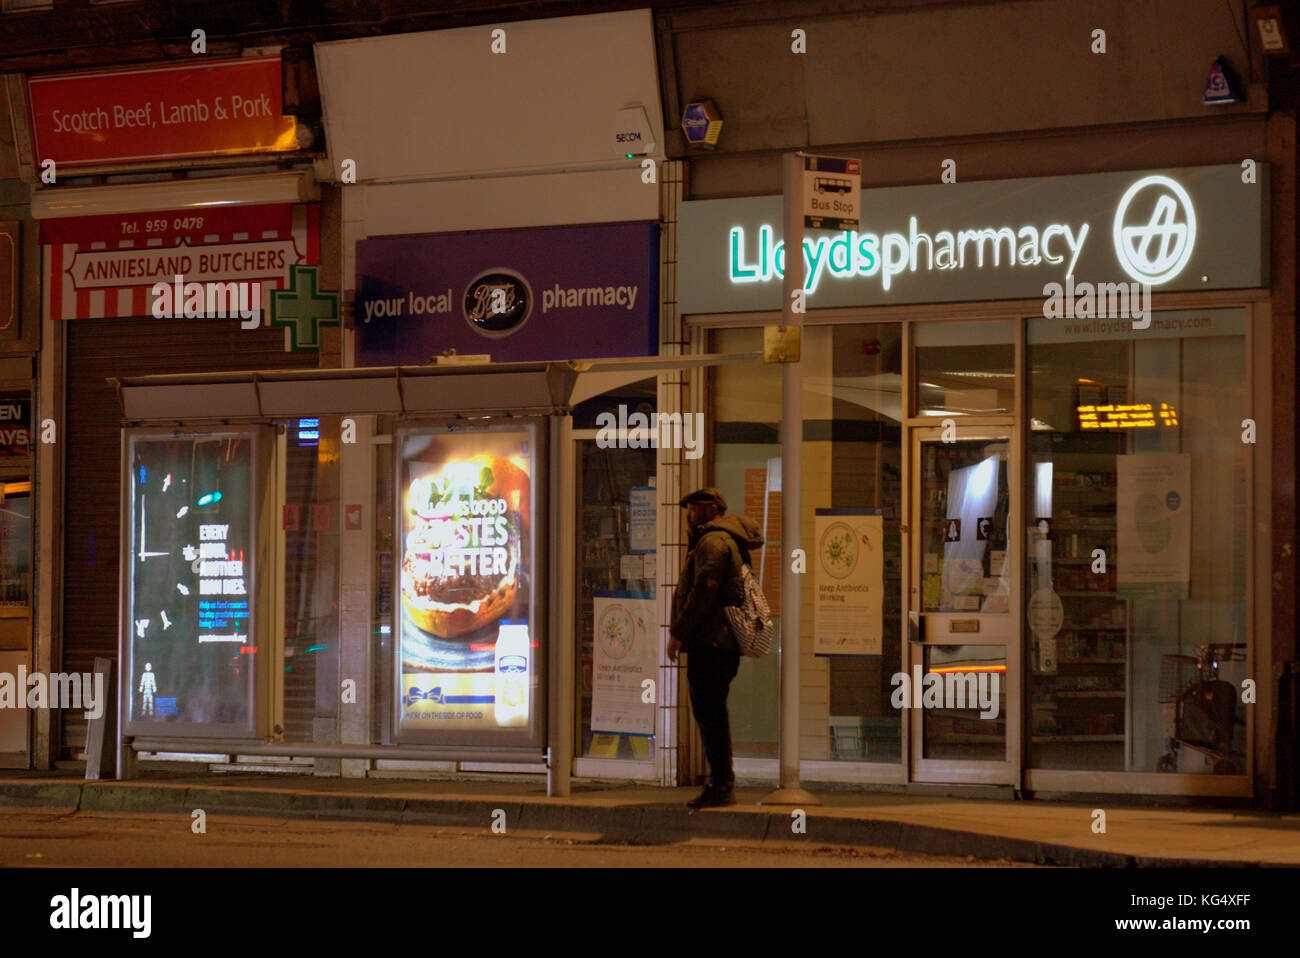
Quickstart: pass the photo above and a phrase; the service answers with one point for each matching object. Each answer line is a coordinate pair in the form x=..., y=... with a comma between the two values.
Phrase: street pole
x=559, y=764
x=789, y=792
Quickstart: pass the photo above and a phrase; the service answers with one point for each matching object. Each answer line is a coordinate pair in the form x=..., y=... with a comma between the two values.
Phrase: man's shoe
x=713, y=796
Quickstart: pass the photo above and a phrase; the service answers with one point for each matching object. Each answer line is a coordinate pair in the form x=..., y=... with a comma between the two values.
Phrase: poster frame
x=633, y=596
x=1127, y=587
x=858, y=513
x=261, y=577
x=532, y=735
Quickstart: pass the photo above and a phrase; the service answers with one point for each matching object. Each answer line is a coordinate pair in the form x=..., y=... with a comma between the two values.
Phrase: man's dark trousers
x=709, y=672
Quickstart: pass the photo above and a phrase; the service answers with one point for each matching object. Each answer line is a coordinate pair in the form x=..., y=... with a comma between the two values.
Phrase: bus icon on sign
x=831, y=184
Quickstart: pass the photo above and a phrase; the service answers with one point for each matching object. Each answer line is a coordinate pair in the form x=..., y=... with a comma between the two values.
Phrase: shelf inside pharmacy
x=1079, y=707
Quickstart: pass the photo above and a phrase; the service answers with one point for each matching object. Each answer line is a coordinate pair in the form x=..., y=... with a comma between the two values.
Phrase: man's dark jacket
x=712, y=578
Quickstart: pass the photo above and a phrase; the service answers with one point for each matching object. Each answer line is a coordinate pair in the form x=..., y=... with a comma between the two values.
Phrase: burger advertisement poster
x=468, y=659
x=189, y=614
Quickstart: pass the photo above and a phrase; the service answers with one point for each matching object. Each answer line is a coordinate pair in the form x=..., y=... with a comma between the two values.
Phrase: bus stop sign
x=832, y=192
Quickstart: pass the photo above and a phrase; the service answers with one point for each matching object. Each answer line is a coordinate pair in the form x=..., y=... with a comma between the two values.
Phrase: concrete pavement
x=53, y=838
x=1034, y=831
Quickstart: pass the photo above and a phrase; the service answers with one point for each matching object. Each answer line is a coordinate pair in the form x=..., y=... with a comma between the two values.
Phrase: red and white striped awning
x=105, y=266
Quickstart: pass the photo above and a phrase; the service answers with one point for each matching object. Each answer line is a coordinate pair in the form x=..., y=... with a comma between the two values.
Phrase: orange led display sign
x=1140, y=415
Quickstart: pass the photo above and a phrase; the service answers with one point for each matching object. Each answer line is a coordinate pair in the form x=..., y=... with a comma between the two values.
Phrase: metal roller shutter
x=96, y=350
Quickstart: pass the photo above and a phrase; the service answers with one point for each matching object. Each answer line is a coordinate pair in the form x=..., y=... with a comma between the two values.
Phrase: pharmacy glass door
x=961, y=684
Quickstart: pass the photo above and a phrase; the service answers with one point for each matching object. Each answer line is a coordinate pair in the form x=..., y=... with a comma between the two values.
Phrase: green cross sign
x=302, y=309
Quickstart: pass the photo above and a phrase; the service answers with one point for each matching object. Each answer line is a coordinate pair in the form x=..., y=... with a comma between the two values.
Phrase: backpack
x=751, y=621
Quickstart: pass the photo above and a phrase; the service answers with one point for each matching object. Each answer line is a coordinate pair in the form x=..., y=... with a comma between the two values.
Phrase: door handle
x=915, y=627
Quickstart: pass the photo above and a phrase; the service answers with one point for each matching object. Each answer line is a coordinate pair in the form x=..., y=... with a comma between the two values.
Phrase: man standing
x=712, y=578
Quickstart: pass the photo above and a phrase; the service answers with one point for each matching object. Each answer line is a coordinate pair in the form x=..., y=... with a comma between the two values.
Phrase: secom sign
x=1188, y=229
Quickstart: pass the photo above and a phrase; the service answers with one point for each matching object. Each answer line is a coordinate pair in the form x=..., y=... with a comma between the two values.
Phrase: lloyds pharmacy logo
x=182, y=300
x=1156, y=251
x=75, y=911
x=649, y=430
x=1151, y=252
x=59, y=690
x=948, y=690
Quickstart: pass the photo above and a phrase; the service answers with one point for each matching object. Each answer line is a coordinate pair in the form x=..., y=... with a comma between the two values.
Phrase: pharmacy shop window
x=1137, y=480
x=616, y=567
x=852, y=407
x=966, y=368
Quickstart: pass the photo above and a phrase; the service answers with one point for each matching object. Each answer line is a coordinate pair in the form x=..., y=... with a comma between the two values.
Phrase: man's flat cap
x=705, y=495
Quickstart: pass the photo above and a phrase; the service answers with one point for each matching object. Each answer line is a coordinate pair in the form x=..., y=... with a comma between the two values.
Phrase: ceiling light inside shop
x=981, y=480
x=998, y=410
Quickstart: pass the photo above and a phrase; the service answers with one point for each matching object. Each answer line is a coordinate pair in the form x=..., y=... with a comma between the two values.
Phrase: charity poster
x=625, y=644
x=643, y=514
x=849, y=576
x=1154, y=536
x=192, y=640
x=466, y=636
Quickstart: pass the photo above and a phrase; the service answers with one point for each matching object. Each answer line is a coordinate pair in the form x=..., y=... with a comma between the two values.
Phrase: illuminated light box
x=469, y=663
x=192, y=535
x=1141, y=415
x=985, y=240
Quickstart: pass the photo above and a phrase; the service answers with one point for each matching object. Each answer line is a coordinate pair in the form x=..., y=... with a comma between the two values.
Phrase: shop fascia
x=883, y=256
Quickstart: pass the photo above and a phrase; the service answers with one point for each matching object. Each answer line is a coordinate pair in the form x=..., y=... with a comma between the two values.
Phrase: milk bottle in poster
x=512, y=675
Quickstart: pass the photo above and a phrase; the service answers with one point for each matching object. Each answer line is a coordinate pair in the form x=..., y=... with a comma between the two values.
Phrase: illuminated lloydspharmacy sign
x=884, y=257
x=1178, y=229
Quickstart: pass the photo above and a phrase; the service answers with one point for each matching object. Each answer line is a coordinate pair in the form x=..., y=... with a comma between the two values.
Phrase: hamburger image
x=465, y=525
